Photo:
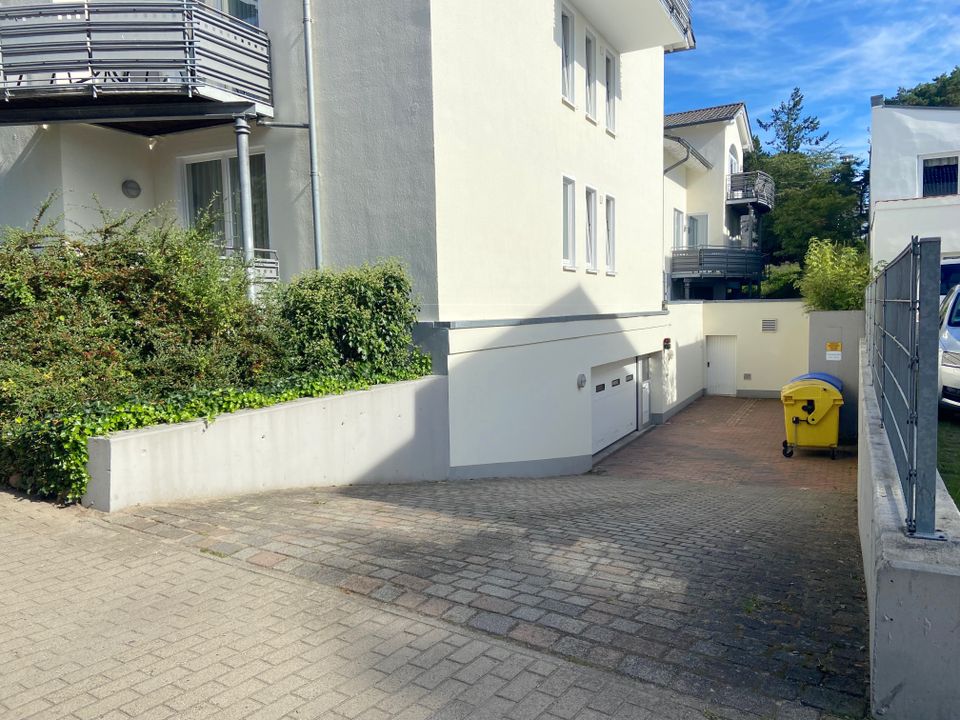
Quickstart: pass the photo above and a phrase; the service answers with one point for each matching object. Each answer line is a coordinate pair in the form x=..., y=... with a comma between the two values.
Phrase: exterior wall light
x=581, y=381
x=131, y=189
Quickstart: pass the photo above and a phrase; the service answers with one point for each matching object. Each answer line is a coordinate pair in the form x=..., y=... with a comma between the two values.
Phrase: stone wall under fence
x=388, y=434
x=913, y=586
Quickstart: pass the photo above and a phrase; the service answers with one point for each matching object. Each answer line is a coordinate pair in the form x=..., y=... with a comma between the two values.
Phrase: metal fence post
x=926, y=388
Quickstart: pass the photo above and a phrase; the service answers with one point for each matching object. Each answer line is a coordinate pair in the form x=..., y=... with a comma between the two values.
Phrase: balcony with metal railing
x=129, y=60
x=756, y=189
x=717, y=262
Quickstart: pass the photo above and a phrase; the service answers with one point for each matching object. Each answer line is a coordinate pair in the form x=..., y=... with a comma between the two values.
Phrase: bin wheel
x=787, y=451
x=833, y=453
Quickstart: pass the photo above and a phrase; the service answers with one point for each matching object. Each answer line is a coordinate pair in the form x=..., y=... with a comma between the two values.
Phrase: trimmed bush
x=358, y=318
x=140, y=322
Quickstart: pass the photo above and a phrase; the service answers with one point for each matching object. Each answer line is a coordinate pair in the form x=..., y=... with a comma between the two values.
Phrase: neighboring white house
x=914, y=157
x=712, y=208
x=522, y=188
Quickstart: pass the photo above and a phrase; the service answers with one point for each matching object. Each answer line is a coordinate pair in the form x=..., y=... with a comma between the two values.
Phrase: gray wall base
x=759, y=394
x=554, y=467
x=661, y=418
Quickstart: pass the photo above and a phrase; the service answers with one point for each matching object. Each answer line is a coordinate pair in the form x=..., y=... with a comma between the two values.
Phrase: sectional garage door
x=614, y=402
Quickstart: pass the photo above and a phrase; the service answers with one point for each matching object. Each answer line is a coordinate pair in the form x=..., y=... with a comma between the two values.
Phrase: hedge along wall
x=139, y=322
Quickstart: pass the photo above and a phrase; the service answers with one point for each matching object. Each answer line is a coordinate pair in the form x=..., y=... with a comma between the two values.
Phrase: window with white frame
x=246, y=10
x=569, y=223
x=591, y=197
x=213, y=186
x=940, y=176
x=611, y=209
x=567, y=41
x=677, y=229
x=590, y=64
x=610, y=75
x=696, y=231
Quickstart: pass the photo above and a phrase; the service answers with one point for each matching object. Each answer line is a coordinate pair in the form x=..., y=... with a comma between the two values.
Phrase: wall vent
x=769, y=325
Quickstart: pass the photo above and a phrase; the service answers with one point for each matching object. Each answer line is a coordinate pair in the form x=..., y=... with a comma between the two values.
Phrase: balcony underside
x=639, y=24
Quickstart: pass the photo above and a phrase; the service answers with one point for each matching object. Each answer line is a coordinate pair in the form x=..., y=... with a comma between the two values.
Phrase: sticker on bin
x=835, y=351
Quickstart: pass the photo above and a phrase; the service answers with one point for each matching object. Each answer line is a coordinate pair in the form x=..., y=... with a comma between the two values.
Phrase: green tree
x=835, y=277
x=818, y=192
x=792, y=131
x=942, y=90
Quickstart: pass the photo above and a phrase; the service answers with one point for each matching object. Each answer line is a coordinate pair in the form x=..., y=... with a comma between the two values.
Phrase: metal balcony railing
x=680, y=9
x=153, y=47
x=752, y=187
x=266, y=264
x=716, y=262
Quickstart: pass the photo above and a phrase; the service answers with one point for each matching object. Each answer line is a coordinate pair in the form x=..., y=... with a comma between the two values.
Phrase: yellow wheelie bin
x=811, y=412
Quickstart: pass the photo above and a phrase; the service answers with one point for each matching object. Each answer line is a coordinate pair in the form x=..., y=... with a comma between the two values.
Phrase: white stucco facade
x=902, y=138
x=439, y=148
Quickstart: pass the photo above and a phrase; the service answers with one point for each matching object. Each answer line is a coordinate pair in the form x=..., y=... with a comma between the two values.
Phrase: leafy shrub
x=359, y=318
x=140, y=322
x=781, y=281
x=835, y=277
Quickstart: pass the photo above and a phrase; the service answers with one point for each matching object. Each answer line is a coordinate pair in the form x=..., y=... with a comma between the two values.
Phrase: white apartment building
x=712, y=208
x=914, y=189
x=510, y=154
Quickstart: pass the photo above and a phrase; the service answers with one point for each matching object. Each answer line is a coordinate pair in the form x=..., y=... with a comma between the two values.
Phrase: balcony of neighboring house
x=639, y=24
x=721, y=262
x=748, y=191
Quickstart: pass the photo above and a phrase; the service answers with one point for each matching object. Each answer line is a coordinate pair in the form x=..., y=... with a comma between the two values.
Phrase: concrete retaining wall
x=913, y=586
x=391, y=433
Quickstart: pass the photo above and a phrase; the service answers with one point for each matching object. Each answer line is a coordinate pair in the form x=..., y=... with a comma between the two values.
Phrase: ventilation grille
x=769, y=325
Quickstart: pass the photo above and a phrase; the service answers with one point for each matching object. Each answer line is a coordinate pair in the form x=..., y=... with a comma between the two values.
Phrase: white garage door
x=614, y=410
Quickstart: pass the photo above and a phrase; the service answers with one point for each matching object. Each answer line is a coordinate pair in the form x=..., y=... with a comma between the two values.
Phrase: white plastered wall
x=770, y=358
x=504, y=141
x=30, y=170
x=900, y=138
x=513, y=391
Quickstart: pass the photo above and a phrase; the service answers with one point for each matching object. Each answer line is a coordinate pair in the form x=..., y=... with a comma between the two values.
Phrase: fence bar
x=927, y=387
x=902, y=313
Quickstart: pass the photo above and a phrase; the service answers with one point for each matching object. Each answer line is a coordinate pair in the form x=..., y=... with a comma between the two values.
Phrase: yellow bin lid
x=810, y=389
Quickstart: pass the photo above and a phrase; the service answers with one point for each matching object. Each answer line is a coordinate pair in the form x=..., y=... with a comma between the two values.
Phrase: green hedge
x=140, y=322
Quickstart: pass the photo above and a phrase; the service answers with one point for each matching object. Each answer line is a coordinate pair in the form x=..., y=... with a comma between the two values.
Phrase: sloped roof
x=705, y=115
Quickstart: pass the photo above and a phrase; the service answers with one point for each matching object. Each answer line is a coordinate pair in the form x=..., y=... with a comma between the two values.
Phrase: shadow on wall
x=33, y=175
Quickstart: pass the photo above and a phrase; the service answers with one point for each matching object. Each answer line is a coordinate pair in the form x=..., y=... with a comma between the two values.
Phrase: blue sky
x=839, y=52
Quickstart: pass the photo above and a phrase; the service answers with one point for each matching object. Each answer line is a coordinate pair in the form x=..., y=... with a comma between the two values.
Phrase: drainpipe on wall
x=312, y=132
x=242, y=129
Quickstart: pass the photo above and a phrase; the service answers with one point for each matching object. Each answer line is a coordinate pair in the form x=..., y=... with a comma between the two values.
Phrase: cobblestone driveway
x=697, y=559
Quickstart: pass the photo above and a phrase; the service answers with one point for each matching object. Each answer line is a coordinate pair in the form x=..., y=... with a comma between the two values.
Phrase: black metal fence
x=902, y=323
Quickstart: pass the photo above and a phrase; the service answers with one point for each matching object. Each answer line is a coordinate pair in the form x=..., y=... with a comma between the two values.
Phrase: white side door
x=614, y=390
x=721, y=364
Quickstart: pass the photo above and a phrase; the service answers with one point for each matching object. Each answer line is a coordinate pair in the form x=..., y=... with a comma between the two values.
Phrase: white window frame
x=679, y=229
x=568, y=56
x=934, y=156
x=590, y=67
x=569, y=235
x=700, y=218
x=591, y=216
x=610, y=212
x=224, y=156
x=224, y=7
x=733, y=161
x=611, y=69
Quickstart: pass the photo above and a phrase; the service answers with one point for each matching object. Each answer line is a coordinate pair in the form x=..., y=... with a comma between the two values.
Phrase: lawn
x=949, y=452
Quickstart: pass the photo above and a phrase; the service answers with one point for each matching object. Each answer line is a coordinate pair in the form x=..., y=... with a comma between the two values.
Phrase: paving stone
x=493, y=623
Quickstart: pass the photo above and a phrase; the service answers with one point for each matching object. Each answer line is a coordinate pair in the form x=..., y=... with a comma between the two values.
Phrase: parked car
x=950, y=349
x=949, y=275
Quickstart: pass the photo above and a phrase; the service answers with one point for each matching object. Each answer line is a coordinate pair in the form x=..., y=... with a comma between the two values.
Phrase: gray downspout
x=242, y=129
x=312, y=132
